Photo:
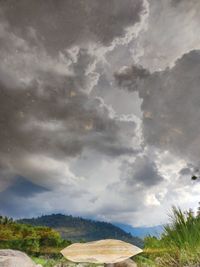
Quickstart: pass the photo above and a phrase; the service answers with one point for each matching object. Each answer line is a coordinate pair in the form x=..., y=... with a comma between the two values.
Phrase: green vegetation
x=32, y=240
x=38, y=239
x=178, y=246
x=47, y=262
x=76, y=228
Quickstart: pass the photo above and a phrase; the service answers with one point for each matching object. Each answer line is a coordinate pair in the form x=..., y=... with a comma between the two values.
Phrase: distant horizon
x=139, y=231
x=82, y=217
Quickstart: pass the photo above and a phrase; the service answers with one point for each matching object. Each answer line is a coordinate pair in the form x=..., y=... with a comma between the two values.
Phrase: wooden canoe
x=102, y=251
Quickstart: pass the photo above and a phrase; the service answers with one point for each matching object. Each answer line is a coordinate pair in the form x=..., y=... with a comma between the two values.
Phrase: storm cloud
x=61, y=24
x=170, y=100
x=70, y=138
x=141, y=172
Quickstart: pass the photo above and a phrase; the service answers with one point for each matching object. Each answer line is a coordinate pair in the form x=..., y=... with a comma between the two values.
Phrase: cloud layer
x=170, y=104
x=70, y=137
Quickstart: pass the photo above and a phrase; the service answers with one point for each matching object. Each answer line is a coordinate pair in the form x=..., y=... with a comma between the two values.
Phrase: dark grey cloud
x=53, y=115
x=130, y=77
x=13, y=199
x=32, y=123
x=175, y=3
x=189, y=170
x=186, y=171
x=170, y=105
x=143, y=171
x=22, y=188
x=44, y=108
x=65, y=127
x=60, y=24
x=47, y=71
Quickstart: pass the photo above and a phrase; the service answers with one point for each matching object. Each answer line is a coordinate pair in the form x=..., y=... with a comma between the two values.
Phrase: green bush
x=179, y=245
x=34, y=240
x=184, y=230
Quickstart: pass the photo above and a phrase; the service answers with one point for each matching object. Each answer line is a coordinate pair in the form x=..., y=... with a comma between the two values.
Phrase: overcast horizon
x=99, y=108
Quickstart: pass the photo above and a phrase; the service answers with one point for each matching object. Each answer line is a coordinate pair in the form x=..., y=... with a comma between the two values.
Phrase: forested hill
x=77, y=229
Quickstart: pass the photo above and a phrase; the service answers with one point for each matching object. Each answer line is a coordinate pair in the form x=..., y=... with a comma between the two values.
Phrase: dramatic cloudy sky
x=99, y=108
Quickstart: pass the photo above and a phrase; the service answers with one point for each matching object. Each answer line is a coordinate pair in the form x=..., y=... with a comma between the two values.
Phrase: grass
x=179, y=245
x=184, y=230
x=44, y=262
x=48, y=262
x=52, y=262
x=143, y=261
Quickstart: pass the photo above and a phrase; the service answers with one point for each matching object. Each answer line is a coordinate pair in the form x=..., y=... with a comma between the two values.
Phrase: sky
x=99, y=108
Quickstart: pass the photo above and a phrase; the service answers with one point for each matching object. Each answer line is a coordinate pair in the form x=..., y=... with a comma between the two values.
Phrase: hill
x=141, y=232
x=79, y=229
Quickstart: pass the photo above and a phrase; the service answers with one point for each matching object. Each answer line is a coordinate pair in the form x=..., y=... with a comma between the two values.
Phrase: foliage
x=45, y=262
x=77, y=228
x=143, y=261
x=179, y=245
x=184, y=231
x=30, y=239
x=61, y=262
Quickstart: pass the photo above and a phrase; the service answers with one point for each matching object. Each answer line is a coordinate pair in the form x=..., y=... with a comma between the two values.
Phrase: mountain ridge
x=141, y=232
x=79, y=229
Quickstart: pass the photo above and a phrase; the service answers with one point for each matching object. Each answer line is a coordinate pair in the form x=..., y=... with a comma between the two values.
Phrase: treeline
x=34, y=240
x=77, y=228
